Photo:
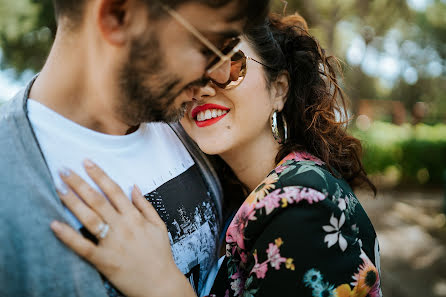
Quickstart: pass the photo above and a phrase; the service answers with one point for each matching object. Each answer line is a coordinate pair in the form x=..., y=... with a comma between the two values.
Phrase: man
x=115, y=66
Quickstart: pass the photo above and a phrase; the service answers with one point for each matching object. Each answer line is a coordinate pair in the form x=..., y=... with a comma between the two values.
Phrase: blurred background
x=394, y=57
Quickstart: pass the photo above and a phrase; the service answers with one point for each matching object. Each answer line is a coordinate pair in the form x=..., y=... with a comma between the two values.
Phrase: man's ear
x=113, y=20
x=280, y=88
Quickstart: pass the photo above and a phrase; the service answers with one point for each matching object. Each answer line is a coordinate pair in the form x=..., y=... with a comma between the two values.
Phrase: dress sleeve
x=307, y=247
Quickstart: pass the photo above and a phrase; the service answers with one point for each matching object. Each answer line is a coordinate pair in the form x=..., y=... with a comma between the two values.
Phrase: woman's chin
x=212, y=148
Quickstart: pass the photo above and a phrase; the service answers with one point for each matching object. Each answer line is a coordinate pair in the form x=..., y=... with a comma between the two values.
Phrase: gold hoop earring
x=279, y=127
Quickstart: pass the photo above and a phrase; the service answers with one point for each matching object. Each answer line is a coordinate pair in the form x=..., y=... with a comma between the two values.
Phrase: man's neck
x=253, y=161
x=71, y=85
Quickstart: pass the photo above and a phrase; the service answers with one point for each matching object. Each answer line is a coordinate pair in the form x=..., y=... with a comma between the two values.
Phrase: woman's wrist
x=171, y=283
x=177, y=285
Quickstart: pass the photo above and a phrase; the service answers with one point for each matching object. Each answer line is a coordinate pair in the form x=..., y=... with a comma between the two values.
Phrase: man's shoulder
x=10, y=110
x=12, y=131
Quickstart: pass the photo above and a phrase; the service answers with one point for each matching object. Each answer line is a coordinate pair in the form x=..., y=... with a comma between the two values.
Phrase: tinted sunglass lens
x=238, y=64
x=238, y=70
x=227, y=48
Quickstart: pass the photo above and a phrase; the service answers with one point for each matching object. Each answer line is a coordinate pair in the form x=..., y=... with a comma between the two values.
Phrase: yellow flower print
x=266, y=186
x=284, y=202
x=366, y=284
x=263, y=189
x=289, y=264
x=344, y=291
x=278, y=241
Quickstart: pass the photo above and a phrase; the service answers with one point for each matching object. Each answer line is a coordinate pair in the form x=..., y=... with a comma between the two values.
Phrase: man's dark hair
x=252, y=12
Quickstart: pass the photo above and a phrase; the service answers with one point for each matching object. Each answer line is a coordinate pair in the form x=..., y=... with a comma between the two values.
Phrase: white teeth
x=209, y=114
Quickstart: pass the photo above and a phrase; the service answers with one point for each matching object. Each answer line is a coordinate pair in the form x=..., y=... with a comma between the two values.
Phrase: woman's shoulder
x=299, y=220
x=304, y=169
x=301, y=191
x=301, y=172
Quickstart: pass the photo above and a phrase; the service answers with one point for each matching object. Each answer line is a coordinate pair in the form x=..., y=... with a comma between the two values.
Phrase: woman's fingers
x=145, y=207
x=109, y=187
x=97, y=202
x=91, y=220
x=75, y=241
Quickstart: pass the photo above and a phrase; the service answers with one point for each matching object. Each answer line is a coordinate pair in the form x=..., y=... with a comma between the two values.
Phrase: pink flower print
x=259, y=269
x=304, y=156
x=287, y=158
x=235, y=235
x=311, y=195
x=227, y=293
x=274, y=257
x=295, y=195
x=281, y=168
x=243, y=257
x=291, y=194
x=270, y=202
x=333, y=238
x=239, y=223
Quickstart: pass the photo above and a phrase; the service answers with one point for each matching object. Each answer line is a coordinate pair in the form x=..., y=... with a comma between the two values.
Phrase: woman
x=301, y=231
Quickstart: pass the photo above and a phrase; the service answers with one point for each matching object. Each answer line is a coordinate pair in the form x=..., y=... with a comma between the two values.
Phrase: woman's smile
x=208, y=114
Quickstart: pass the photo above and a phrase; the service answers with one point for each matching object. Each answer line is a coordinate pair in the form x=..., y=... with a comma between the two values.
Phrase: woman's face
x=222, y=120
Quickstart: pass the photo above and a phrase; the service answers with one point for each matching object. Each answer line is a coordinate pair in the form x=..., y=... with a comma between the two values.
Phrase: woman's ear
x=280, y=88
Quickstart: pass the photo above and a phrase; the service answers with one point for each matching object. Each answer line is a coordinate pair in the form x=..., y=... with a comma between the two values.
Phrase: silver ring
x=103, y=230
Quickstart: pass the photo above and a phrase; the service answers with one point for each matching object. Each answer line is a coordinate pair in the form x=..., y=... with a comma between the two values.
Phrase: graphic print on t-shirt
x=189, y=212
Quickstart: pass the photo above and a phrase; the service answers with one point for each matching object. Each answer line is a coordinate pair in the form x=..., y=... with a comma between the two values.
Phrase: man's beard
x=147, y=86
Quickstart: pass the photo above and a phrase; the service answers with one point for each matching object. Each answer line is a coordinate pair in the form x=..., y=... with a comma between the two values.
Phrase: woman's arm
x=134, y=253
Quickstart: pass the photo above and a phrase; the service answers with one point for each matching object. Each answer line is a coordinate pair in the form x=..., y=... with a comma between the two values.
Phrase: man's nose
x=222, y=73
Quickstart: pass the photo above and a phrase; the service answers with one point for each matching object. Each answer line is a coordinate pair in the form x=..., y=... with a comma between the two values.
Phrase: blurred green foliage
x=414, y=38
x=399, y=37
x=414, y=154
x=27, y=29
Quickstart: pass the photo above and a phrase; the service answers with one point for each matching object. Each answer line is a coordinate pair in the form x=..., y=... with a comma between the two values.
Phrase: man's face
x=167, y=62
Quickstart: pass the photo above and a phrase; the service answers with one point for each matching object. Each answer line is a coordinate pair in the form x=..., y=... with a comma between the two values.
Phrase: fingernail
x=62, y=189
x=138, y=190
x=56, y=226
x=65, y=172
x=88, y=163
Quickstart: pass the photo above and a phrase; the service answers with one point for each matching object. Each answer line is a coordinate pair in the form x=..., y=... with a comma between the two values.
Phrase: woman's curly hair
x=315, y=102
x=315, y=109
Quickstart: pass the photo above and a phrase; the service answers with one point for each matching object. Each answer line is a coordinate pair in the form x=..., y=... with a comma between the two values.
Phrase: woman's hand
x=133, y=252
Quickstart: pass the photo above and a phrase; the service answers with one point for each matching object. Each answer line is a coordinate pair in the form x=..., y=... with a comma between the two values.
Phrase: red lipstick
x=205, y=107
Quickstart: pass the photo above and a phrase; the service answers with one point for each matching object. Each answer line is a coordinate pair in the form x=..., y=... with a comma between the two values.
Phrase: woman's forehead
x=246, y=47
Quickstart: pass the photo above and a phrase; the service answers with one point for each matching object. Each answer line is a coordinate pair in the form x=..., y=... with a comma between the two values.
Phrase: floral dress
x=302, y=232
